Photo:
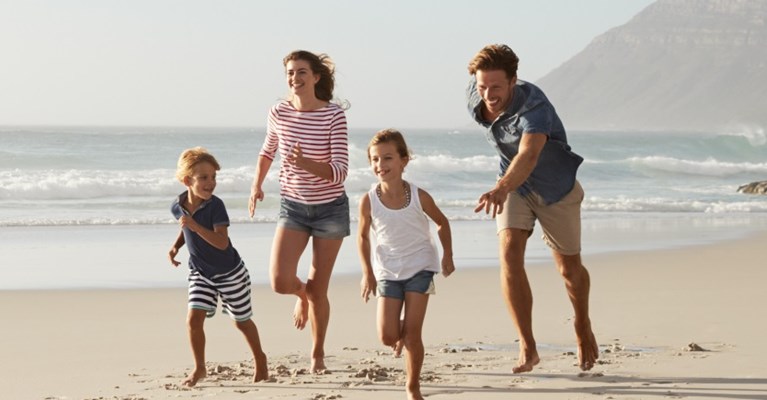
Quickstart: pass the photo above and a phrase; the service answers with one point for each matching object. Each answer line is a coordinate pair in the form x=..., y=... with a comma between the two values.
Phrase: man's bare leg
x=518, y=295
x=578, y=284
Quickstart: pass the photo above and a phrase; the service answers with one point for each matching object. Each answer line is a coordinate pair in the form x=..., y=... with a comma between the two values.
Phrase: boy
x=215, y=268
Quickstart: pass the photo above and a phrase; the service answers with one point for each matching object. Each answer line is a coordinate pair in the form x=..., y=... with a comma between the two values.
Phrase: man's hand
x=493, y=199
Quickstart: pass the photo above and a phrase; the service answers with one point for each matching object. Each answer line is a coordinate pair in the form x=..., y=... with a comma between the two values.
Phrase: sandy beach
x=679, y=323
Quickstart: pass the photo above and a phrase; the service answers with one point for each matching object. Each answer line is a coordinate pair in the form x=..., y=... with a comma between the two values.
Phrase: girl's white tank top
x=404, y=245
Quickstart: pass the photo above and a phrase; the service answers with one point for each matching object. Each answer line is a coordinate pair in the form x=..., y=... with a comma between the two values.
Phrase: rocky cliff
x=694, y=65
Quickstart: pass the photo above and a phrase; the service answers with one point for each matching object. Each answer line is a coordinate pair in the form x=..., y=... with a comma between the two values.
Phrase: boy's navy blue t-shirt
x=203, y=257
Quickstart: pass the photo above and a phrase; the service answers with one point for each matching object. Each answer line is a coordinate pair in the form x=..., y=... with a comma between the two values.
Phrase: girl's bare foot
x=398, y=348
x=194, y=377
x=261, y=372
x=318, y=365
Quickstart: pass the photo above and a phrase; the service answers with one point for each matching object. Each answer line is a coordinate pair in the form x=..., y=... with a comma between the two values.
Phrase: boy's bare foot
x=318, y=365
x=194, y=377
x=527, y=360
x=301, y=313
x=588, y=350
x=261, y=372
x=398, y=348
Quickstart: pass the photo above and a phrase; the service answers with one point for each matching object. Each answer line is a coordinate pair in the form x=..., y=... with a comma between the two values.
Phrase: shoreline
x=135, y=256
x=647, y=307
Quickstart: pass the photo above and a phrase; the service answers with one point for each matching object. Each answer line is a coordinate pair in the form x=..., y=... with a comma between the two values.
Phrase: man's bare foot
x=527, y=360
x=588, y=350
x=301, y=313
x=261, y=372
x=318, y=365
x=398, y=348
x=414, y=394
x=194, y=377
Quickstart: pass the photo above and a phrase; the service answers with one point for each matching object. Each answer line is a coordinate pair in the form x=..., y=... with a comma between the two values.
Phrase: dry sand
x=686, y=323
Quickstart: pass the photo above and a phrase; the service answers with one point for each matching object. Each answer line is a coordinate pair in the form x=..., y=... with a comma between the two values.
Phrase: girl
x=405, y=256
x=310, y=134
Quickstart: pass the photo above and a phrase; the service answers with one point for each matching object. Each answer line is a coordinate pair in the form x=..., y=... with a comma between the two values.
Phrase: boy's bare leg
x=578, y=284
x=518, y=295
x=195, y=323
x=261, y=369
x=415, y=312
x=324, y=256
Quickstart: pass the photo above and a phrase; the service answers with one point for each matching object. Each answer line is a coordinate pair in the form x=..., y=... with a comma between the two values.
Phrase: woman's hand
x=256, y=194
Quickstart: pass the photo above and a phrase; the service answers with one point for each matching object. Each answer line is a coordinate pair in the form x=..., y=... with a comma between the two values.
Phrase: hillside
x=693, y=65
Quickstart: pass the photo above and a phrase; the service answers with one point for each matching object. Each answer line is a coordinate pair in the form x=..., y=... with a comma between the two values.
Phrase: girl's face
x=203, y=181
x=301, y=79
x=386, y=163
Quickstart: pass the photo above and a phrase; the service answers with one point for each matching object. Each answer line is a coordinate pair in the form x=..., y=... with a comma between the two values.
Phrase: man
x=536, y=181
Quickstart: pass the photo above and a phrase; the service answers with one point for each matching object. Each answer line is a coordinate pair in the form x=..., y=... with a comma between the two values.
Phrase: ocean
x=643, y=190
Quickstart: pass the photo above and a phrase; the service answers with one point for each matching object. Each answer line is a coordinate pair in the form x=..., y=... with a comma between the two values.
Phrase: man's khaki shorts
x=561, y=221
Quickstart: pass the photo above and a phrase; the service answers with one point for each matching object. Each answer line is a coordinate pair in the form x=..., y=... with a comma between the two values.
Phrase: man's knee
x=570, y=267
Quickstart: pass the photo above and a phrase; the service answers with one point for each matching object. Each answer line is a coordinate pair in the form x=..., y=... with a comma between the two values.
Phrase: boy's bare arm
x=180, y=241
x=218, y=237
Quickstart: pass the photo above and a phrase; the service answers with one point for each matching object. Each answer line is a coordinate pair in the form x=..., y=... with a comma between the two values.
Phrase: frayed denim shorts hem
x=327, y=221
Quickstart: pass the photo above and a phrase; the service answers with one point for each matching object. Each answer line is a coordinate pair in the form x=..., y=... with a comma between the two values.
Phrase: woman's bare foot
x=301, y=312
x=318, y=365
x=527, y=360
x=194, y=377
x=261, y=372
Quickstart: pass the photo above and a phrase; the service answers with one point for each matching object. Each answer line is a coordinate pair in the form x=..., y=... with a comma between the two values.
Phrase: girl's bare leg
x=415, y=312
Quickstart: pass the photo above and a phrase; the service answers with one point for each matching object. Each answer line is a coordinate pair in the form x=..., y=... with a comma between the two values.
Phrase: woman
x=309, y=132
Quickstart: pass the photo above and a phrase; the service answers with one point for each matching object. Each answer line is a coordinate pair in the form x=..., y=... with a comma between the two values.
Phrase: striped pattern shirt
x=323, y=137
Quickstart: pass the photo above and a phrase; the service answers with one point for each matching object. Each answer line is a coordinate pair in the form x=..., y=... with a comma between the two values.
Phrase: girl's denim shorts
x=328, y=221
x=422, y=282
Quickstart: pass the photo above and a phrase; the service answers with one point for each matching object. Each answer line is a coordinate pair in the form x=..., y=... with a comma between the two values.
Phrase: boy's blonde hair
x=190, y=158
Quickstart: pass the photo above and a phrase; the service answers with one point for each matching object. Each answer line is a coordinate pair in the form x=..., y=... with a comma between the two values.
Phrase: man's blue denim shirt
x=530, y=112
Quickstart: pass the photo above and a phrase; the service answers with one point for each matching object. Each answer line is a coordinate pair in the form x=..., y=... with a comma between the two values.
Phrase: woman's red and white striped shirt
x=323, y=137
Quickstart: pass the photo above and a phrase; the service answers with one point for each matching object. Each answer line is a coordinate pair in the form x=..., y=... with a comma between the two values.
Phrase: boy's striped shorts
x=233, y=288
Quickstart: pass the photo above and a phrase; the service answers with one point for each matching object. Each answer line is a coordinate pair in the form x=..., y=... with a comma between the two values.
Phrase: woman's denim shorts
x=422, y=282
x=328, y=221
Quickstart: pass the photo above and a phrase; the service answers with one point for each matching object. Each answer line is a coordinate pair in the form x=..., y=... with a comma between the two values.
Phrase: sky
x=399, y=63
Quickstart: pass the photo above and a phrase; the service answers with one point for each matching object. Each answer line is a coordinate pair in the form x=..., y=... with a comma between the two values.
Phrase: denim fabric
x=422, y=282
x=530, y=112
x=327, y=221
